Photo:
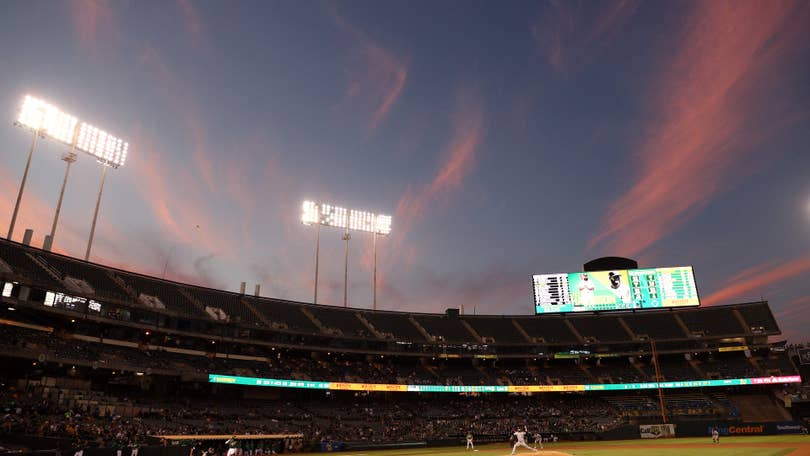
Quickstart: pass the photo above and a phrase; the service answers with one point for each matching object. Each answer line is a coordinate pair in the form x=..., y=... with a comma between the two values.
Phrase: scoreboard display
x=623, y=289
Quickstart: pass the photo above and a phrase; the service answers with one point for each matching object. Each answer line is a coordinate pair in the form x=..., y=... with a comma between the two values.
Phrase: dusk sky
x=505, y=139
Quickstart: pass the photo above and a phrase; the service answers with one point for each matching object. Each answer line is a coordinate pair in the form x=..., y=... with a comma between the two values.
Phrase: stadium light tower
x=47, y=121
x=350, y=220
x=108, y=150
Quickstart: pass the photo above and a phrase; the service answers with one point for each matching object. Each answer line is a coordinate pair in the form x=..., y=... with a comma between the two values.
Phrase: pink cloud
x=88, y=17
x=185, y=106
x=192, y=20
x=381, y=77
x=457, y=163
x=458, y=158
x=705, y=107
x=36, y=213
x=793, y=309
x=755, y=283
x=568, y=38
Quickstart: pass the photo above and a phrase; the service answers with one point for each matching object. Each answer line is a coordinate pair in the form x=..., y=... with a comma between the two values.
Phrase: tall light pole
x=22, y=186
x=95, y=215
x=48, y=121
x=317, y=258
x=374, y=274
x=346, y=237
x=349, y=220
x=382, y=225
x=69, y=158
x=110, y=152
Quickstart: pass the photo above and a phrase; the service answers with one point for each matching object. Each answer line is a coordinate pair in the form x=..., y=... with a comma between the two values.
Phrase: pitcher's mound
x=543, y=453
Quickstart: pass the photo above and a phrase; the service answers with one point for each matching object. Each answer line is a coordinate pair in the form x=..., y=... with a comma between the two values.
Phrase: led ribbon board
x=305, y=384
x=624, y=289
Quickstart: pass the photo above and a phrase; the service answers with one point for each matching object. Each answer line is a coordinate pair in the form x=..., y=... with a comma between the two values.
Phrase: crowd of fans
x=116, y=422
x=53, y=412
x=272, y=362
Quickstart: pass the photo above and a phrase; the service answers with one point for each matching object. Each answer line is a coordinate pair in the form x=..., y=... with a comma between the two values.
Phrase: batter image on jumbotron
x=615, y=290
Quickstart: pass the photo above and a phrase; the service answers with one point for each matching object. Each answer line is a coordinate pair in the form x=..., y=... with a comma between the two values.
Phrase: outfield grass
x=729, y=446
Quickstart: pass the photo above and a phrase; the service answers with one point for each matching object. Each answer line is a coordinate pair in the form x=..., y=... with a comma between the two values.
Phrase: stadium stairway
x=576, y=333
x=50, y=270
x=759, y=408
x=682, y=325
x=192, y=299
x=255, y=312
x=369, y=326
x=428, y=367
x=588, y=373
x=121, y=283
x=640, y=369
x=421, y=328
x=757, y=367
x=697, y=369
x=323, y=329
x=521, y=331
x=472, y=331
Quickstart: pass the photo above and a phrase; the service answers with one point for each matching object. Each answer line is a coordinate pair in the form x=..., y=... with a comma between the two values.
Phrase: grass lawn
x=729, y=446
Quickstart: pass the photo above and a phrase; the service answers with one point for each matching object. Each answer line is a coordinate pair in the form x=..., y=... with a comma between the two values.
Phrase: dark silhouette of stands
x=43, y=270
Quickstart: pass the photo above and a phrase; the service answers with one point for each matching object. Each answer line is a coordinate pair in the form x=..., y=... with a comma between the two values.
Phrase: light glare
x=102, y=145
x=310, y=213
x=47, y=119
x=340, y=217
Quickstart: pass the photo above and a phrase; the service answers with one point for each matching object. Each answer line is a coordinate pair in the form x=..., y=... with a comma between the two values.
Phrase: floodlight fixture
x=105, y=147
x=46, y=119
x=318, y=214
x=108, y=150
x=340, y=217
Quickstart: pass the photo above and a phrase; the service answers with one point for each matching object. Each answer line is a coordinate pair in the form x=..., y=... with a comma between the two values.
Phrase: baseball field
x=794, y=445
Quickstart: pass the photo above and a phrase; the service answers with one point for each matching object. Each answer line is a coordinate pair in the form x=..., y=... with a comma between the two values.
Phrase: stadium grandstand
x=97, y=357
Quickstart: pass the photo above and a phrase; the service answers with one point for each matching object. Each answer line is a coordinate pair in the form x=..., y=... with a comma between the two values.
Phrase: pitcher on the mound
x=520, y=437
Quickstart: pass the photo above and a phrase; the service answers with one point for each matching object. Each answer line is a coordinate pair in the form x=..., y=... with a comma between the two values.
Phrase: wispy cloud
x=89, y=18
x=494, y=289
x=192, y=20
x=458, y=159
x=752, y=284
x=793, y=319
x=706, y=114
x=570, y=31
x=457, y=162
x=793, y=309
x=36, y=212
x=186, y=108
x=378, y=79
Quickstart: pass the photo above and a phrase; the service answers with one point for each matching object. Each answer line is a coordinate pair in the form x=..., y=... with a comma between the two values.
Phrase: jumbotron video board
x=624, y=289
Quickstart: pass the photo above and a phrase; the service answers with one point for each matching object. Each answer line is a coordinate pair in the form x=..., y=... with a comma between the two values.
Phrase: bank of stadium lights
x=350, y=220
x=44, y=120
x=48, y=121
x=105, y=147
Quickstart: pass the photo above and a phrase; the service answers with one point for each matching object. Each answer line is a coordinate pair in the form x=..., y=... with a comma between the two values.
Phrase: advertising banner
x=785, y=427
x=309, y=384
x=657, y=431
